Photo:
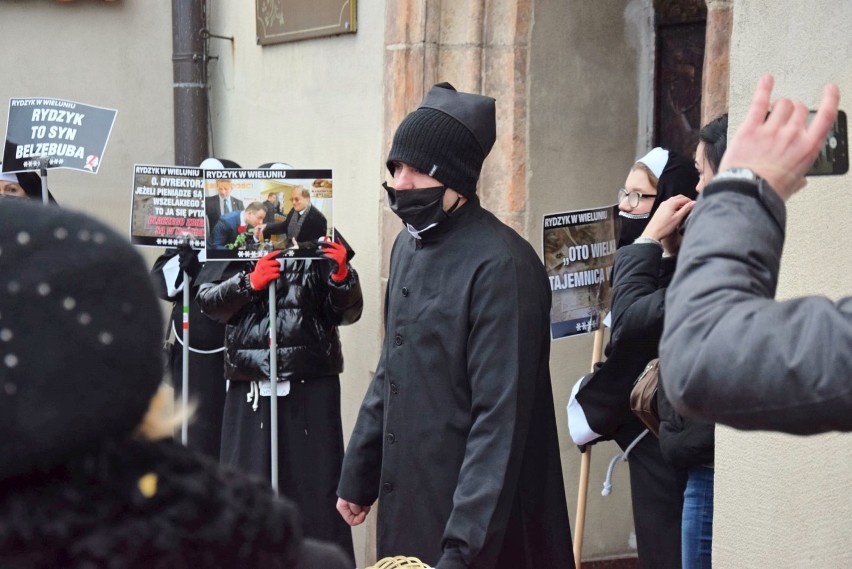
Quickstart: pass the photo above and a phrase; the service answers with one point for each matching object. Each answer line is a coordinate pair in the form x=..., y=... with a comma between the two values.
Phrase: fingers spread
x=760, y=102
x=825, y=116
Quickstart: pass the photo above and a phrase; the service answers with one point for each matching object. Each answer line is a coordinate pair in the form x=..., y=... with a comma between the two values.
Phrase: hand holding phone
x=833, y=158
x=782, y=146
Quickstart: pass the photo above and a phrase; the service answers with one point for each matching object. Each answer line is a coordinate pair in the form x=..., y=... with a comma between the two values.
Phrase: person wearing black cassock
x=313, y=297
x=644, y=265
x=206, y=340
x=456, y=436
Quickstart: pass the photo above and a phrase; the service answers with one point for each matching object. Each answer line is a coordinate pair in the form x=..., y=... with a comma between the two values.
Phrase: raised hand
x=782, y=147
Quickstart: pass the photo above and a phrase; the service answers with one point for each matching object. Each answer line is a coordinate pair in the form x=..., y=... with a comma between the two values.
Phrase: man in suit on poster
x=220, y=204
x=232, y=224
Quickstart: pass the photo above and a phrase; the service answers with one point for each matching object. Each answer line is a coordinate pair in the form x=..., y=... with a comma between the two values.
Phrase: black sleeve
x=638, y=300
x=221, y=301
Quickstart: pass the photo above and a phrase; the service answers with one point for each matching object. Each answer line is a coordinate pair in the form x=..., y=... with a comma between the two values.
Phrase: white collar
x=415, y=232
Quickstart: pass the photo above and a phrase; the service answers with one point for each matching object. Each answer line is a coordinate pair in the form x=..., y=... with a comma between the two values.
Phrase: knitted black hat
x=447, y=137
x=80, y=336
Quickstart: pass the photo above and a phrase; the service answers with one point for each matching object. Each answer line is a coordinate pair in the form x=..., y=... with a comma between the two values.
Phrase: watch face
x=737, y=174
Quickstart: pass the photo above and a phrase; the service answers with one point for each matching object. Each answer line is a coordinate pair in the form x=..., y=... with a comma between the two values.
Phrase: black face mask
x=420, y=209
x=630, y=228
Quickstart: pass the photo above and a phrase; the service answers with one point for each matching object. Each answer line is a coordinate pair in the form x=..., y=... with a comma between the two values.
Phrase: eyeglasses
x=633, y=197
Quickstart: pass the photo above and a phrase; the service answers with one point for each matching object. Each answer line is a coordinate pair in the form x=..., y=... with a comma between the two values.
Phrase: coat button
x=391, y=438
x=398, y=340
x=388, y=487
x=394, y=388
x=405, y=291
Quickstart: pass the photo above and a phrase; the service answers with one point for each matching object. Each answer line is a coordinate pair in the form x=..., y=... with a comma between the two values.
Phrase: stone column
x=714, y=100
x=503, y=186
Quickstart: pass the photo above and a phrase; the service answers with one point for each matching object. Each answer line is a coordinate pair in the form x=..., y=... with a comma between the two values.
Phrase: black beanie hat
x=80, y=336
x=447, y=137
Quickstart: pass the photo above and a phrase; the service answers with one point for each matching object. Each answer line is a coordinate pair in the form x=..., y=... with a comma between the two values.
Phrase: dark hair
x=255, y=206
x=714, y=135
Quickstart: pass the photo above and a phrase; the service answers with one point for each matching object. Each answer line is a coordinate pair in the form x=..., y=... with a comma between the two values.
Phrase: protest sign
x=167, y=206
x=65, y=133
x=579, y=253
x=235, y=206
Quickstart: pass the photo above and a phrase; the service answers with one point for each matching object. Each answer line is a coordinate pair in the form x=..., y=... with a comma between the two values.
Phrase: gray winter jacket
x=732, y=354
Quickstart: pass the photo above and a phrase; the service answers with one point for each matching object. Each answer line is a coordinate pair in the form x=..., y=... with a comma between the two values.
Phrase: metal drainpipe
x=189, y=64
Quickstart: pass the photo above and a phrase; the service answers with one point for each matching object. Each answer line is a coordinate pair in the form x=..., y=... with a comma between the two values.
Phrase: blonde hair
x=163, y=415
x=651, y=176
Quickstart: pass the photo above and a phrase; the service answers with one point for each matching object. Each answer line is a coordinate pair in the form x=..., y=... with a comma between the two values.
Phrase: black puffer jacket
x=310, y=307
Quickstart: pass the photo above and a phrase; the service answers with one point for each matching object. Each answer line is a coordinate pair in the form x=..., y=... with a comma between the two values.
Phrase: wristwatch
x=743, y=174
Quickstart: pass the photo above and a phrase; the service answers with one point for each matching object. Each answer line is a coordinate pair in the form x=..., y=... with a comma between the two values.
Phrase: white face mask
x=628, y=215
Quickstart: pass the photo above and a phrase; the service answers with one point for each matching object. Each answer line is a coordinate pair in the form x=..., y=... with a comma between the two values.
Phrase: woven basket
x=399, y=561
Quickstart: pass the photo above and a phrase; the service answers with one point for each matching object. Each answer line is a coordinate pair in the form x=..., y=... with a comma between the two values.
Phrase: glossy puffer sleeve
x=221, y=301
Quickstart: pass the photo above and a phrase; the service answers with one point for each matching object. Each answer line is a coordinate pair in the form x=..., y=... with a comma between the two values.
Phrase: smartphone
x=833, y=158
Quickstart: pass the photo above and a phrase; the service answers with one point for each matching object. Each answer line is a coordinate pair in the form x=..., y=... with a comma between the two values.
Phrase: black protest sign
x=167, y=206
x=65, y=133
x=579, y=253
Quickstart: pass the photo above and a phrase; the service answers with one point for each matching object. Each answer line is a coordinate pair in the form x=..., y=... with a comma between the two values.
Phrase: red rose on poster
x=242, y=229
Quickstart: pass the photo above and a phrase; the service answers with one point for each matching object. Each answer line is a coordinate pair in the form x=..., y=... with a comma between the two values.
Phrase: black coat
x=211, y=210
x=639, y=296
x=206, y=353
x=685, y=442
x=313, y=227
x=640, y=278
x=456, y=436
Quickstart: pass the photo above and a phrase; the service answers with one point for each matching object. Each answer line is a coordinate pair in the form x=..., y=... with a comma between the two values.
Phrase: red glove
x=265, y=271
x=336, y=253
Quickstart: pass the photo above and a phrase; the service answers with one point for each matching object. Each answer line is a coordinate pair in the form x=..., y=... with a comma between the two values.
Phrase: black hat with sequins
x=80, y=336
x=447, y=137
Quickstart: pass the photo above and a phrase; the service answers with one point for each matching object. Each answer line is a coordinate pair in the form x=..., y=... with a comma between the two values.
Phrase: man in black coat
x=457, y=434
x=302, y=221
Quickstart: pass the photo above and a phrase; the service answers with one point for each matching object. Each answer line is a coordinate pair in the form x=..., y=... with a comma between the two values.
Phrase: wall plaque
x=281, y=21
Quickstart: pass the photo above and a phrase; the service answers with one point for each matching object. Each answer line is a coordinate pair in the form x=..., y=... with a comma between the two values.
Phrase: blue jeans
x=697, y=524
